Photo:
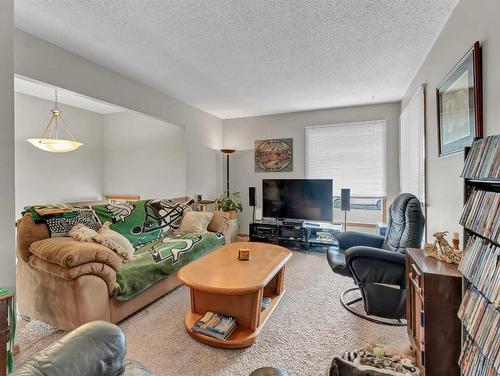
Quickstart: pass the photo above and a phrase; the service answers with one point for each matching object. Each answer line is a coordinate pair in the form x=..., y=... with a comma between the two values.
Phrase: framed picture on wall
x=460, y=104
x=274, y=155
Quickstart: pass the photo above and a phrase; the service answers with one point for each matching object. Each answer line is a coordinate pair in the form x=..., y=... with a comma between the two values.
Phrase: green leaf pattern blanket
x=142, y=221
x=149, y=225
x=160, y=258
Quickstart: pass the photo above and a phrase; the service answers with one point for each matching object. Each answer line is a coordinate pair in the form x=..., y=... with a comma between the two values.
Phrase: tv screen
x=310, y=199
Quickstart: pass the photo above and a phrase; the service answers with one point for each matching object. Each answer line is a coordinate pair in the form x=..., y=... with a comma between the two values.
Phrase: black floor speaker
x=251, y=196
x=345, y=199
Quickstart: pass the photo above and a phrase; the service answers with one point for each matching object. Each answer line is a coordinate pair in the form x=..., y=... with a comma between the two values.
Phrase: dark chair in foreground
x=94, y=349
x=377, y=263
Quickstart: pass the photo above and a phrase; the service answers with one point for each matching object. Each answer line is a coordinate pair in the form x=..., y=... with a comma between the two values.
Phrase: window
x=351, y=154
x=412, y=147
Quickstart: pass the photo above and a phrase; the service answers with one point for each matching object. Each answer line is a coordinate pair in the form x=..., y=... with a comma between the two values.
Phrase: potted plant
x=231, y=204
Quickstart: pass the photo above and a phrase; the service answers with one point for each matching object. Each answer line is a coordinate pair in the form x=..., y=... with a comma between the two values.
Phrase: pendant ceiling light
x=50, y=140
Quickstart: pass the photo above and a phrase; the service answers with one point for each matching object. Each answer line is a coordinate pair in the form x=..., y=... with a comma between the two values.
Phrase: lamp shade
x=50, y=141
x=54, y=145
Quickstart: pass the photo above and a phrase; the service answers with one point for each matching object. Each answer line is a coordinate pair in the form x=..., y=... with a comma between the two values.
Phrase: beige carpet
x=305, y=331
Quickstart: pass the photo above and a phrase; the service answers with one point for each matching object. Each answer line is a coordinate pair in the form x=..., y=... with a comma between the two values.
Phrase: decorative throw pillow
x=125, y=248
x=106, y=237
x=60, y=226
x=195, y=222
x=83, y=233
x=219, y=222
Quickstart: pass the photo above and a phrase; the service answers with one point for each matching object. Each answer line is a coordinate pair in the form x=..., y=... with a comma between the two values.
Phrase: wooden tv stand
x=299, y=235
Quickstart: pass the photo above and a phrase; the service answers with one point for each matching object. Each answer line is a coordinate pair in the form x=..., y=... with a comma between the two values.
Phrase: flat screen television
x=309, y=199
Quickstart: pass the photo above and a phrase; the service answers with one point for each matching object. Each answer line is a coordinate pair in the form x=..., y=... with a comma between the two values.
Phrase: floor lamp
x=227, y=153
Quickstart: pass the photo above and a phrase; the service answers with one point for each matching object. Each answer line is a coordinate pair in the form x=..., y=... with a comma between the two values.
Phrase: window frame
x=306, y=149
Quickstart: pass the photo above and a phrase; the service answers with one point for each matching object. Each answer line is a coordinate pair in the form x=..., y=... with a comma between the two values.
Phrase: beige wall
x=45, y=62
x=143, y=156
x=470, y=21
x=122, y=153
x=7, y=198
x=43, y=177
x=241, y=134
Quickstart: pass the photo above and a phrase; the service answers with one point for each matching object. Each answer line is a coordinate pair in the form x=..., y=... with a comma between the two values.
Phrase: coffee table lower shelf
x=242, y=337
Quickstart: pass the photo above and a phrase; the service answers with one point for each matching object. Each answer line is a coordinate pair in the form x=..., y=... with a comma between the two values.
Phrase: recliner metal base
x=378, y=320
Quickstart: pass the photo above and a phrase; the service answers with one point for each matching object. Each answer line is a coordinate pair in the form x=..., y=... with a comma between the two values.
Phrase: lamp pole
x=227, y=153
x=227, y=175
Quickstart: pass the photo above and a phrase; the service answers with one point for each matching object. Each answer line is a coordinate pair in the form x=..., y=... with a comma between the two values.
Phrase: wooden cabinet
x=4, y=331
x=434, y=290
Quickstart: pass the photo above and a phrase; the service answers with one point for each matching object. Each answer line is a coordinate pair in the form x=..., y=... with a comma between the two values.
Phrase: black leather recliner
x=94, y=349
x=377, y=263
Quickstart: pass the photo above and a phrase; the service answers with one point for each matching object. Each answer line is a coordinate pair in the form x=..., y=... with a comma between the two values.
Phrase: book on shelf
x=483, y=160
x=481, y=266
x=473, y=362
x=481, y=214
x=215, y=325
x=265, y=302
x=482, y=324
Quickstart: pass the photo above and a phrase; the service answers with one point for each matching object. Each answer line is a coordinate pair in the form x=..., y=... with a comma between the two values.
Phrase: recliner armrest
x=375, y=265
x=376, y=254
x=97, y=348
x=350, y=239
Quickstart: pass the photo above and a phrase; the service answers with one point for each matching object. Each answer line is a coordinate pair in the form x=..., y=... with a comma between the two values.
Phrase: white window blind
x=411, y=147
x=352, y=154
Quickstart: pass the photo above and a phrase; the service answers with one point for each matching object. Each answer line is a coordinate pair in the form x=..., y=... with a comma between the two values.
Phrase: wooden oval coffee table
x=219, y=282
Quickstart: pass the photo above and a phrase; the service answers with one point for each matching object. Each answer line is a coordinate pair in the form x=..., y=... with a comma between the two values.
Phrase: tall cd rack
x=480, y=267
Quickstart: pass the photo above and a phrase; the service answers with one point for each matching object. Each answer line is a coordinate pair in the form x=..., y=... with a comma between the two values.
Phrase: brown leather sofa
x=59, y=284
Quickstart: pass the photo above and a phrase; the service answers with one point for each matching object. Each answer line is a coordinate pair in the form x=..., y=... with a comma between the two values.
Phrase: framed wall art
x=274, y=155
x=460, y=104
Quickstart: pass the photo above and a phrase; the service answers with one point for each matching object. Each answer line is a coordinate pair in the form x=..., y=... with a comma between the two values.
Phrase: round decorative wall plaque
x=274, y=155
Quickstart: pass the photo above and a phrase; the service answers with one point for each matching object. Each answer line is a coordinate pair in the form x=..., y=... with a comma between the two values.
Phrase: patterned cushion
x=195, y=222
x=219, y=222
x=61, y=226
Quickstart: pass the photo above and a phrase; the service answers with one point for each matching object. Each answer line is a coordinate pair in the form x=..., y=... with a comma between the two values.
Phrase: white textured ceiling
x=249, y=57
x=45, y=91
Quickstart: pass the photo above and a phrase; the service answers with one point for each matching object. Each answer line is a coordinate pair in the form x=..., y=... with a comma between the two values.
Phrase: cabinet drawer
x=416, y=279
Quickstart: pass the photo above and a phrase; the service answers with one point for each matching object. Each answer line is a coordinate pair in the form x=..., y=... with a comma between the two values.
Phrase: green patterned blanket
x=142, y=221
x=148, y=225
x=160, y=258
x=139, y=221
